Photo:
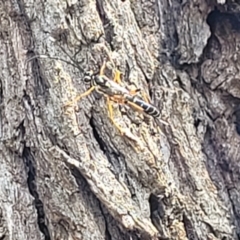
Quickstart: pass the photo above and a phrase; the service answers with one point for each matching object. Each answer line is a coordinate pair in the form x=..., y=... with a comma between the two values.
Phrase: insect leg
x=80, y=96
x=134, y=91
x=135, y=106
x=102, y=69
x=110, y=111
x=117, y=77
x=145, y=96
x=118, y=99
x=122, y=100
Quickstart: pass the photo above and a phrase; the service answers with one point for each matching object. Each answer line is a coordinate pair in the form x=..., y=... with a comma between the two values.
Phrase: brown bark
x=67, y=173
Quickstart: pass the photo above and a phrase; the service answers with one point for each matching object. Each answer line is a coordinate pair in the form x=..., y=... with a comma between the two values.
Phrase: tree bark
x=67, y=173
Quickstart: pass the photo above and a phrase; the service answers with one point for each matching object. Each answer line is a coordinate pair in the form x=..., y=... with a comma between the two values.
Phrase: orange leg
x=80, y=96
x=145, y=96
x=120, y=99
x=135, y=107
x=110, y=111
x=134, y=91
x=102, y=69
x=117, y=77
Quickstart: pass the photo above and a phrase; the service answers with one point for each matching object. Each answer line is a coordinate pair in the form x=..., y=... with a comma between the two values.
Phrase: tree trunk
x=67, y=172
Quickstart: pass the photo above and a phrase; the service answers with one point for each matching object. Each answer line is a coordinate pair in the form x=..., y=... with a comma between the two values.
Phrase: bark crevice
x=29, y=162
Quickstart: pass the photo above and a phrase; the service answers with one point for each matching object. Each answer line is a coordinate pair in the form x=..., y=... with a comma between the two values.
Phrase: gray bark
x=67, y=173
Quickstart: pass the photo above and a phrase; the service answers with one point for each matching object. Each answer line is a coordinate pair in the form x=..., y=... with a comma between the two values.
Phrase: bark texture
x=67, y=173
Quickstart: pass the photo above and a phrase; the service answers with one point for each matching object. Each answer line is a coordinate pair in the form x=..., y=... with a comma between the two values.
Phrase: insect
x=114, y=92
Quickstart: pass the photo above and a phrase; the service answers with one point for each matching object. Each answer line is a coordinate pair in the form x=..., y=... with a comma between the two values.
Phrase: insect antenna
x=71, y=62
x=77, y=64
x=54, y=58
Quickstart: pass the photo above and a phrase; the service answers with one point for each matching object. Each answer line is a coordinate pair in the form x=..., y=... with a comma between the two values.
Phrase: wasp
x=115, y=92
x=112, y=90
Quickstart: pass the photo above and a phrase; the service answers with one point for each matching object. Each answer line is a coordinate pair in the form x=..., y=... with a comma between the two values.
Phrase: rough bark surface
x=66, y=172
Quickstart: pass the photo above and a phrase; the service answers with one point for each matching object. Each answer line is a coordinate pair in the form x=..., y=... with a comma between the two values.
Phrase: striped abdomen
x=146, y=107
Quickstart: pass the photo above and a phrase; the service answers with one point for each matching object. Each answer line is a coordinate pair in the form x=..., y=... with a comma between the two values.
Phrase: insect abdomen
x=147, y=107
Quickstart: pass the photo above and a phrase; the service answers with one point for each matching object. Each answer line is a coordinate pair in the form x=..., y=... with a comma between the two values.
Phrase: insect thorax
x=100, y=81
